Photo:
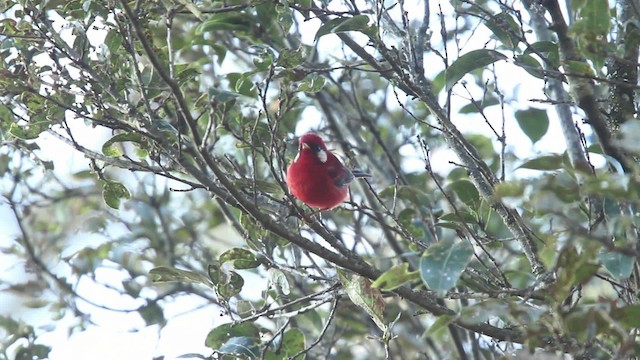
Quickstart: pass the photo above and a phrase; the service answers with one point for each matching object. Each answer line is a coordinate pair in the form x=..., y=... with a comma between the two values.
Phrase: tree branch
x=583, y=89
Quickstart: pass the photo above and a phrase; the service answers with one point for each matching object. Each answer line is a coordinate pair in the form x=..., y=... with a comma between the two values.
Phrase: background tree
x=468, y=243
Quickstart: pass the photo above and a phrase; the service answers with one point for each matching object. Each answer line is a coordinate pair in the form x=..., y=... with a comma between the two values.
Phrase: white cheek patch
x=322, y=156
x=297, y=156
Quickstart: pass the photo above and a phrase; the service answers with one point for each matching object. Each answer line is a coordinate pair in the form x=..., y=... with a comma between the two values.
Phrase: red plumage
x=317, y=177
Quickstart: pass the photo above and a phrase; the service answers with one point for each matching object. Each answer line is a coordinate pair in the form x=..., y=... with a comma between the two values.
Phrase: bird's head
x=312, y=144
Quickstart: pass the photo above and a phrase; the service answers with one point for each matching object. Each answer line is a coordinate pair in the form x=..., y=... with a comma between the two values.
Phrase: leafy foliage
x=145, y=145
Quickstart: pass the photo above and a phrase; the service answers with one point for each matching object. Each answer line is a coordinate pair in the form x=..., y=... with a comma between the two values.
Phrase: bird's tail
x=360, y=173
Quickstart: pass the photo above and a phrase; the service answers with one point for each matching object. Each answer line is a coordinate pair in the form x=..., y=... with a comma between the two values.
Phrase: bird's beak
x=304, y=146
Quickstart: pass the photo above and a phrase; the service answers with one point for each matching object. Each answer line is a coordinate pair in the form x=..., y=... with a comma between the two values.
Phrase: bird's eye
x=316, y=148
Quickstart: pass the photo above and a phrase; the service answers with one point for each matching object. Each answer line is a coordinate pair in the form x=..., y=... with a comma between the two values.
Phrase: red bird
x=317, y=177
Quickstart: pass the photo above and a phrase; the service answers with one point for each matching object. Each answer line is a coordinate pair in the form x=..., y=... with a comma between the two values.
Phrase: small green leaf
x=110, y=150
x=593, y=18
x=363, y=295
x=479, y=106
x=442, y=264
x=573, y=268
x=241, y=345
x=312, y=84
x=292, y=343
x=152, y=314
x=509, y=189
x=113, y=41
x=30, y=131
x=544, y=163
x=546, y=49
x=619, y=266
x=290, y=59
x=579, y=68
x=533, y=122
x=112, y=192
x=530, y=65
x=168, y=274
x=186, y=72
x=628, y=315
x=189, y=5
x=305, y=8
x=395, y=277
x=343, y=24
x=279, y=279
x=241, y=258
x=242, y=84
x=264, y=57
x=505, y=28
x=233, y=21
x=223, y=333
x=468, y=62
x=466, y=192
x=227, y=283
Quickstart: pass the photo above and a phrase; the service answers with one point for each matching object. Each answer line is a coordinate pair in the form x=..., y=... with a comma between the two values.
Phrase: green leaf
x=187, y=72
x=547, y=49
x=113, y=41
x=619, y=266
x=222, y=96
x=227, y=283
x=593, y=18
x=232, y=287
x=264, y=57
x=343, y=24
x=189, y=5
x=505, y=28
x=468, y=62
x=279, y=279
x=168, y=274
x=242, y=84
x=628, y=315
x=112, y=192
x=483, y=144
x=235, y=339
x=442, y=264
x=573, y=268
x=363, y=295
x=152, y=314
x=545, y=163
x=466, y=192
x=530, y=65
x=241, y=258
x=233, y=21
x=30, y=131
x=579, y=68
x=32, y=351
x=241, y=345
x=509, y=189
x=292, y=342
x=395, y=277
x=110, y=150
x=533, y=122
x=479, y=106
x=312, y=84
x=290, y=59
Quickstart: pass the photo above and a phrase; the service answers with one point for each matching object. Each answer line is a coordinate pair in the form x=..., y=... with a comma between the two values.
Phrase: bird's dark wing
x=340, y=175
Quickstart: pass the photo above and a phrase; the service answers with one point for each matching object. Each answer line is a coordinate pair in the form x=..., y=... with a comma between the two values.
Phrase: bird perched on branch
x=317, y=177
